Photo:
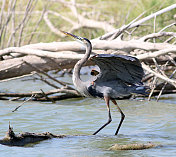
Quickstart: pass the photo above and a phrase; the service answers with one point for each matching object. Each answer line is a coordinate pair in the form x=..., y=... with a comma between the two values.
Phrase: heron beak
x=73, y=36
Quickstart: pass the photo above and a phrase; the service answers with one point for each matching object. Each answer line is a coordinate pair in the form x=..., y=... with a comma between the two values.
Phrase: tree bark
x=156, y=56
x=16, y=67
x=11, y=139
x=137, y=146
x=44, y=56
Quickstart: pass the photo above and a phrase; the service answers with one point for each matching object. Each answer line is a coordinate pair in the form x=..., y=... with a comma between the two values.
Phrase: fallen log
x=71, y=93
x=72, y=46
x=22, y=139
x=156, y=92
x=11, y=139
x=43, y=96
x=133, y=146
x=39, y=94
x=168, y=89
x=157, y=56
x=16, y=67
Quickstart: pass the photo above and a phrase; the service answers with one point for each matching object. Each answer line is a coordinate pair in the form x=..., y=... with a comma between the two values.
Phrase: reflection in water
x=145, y=122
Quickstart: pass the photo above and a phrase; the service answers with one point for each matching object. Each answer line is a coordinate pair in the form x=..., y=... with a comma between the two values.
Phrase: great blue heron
x=119, y=76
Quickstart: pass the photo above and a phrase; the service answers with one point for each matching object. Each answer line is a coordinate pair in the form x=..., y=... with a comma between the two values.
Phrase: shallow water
x=145, y=122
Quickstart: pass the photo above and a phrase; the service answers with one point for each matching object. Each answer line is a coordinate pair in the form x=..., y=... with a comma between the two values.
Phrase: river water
x=146, y=121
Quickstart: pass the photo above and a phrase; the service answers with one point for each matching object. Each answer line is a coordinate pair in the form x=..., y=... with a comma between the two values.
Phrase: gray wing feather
x=113, y=67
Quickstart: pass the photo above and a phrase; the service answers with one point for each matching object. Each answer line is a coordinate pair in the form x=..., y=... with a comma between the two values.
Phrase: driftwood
x=133, y=146
x=22, y=139
x=156, y=51
x=44, y=59
x=52, y=95
x=39, y=94
x=64, y=93
x=158, y=57
x=8, y=67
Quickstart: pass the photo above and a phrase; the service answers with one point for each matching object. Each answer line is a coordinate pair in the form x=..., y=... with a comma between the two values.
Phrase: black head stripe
x=87, y=40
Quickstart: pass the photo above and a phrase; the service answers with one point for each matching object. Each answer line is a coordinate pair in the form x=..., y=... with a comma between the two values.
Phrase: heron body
x=112, y=89
x=119, y=77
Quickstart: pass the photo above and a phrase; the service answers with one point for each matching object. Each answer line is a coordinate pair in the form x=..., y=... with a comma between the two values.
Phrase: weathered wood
x=71, y=93
x=156, y=92
x=16, y=67
x=139, y=22
x=73, y=46
x=22, y=139
x=156, y=56
x=133, y=146
x=39, y=95
x=59, y=97
x=11, y=139
x=157, y=74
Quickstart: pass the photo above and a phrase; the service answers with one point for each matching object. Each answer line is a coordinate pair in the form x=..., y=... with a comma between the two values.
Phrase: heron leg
x=122, y=116
x=109, y=115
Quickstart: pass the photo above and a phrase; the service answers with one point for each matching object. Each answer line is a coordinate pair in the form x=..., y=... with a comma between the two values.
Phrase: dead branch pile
x=157, y=52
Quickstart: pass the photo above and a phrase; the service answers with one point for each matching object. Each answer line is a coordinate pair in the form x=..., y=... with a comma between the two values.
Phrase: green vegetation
x=114, y=12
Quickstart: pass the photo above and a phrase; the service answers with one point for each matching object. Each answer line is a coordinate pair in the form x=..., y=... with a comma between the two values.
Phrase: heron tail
x=140, y=90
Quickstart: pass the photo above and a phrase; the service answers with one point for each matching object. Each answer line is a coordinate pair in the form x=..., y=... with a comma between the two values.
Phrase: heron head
x=78, y=38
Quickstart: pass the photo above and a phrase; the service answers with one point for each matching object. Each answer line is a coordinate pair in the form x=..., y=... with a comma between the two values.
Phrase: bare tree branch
x=173, y=82
x=156, y=35
x=139, y=22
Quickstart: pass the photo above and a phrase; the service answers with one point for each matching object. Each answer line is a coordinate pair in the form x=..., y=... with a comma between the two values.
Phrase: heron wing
x=113, y=67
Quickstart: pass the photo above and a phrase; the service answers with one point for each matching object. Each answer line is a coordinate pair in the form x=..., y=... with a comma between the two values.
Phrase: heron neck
x=78, y=83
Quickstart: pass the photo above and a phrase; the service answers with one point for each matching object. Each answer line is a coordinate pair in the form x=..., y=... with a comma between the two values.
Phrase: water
x=145, y=122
